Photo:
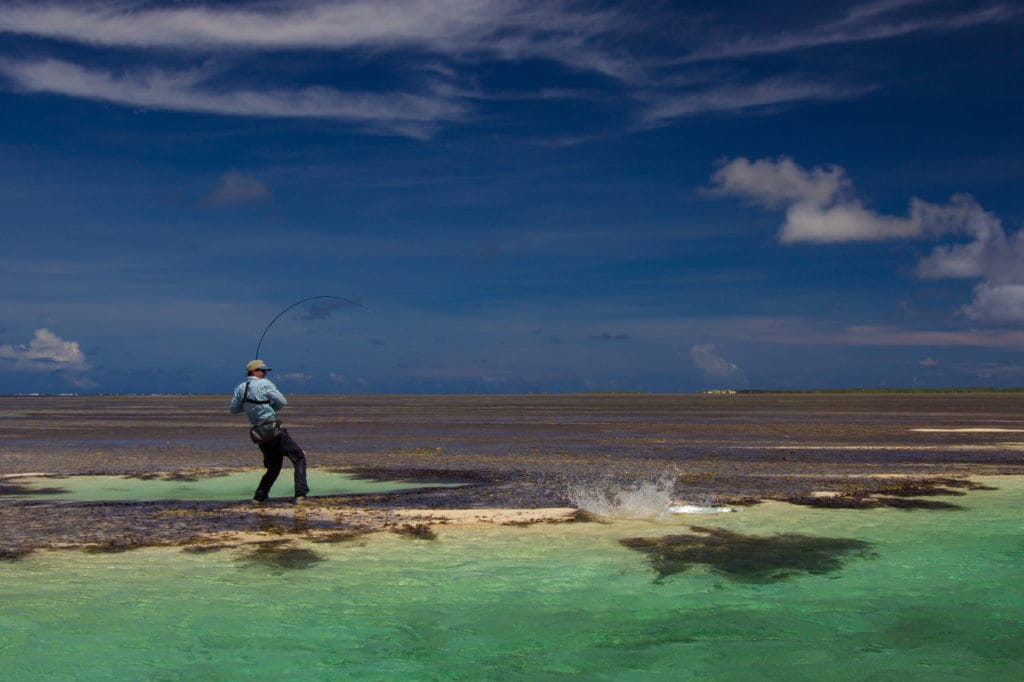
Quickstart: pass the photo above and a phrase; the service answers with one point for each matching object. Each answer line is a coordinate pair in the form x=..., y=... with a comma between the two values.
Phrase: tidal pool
x=879, y=594
x=238, y=485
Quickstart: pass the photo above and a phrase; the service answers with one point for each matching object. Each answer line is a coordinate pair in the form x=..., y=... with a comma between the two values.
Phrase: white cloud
x=819, y=203
x=821, y=208
x=875, y=20
x=45, y=352
x=990, y=253
x=715, y=367
x=433, y=32
x=408, y=114
x=516, y=29
x=622, y=45
x=992, y=256
x=509, y=30
x=236, y=188
x=733, y=97
x=447, y=26
x=997, y=303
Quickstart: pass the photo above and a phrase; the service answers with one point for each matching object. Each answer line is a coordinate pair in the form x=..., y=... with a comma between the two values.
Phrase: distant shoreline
x=976, y=389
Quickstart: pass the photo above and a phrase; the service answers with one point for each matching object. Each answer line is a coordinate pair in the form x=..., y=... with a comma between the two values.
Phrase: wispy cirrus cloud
x=512, y=27
x=562, y=31
x=860, y=23
x=668, y=106
x=437, y=56
x=506, y=30
x=425, y=49
x=414, y=115
x=870, y=335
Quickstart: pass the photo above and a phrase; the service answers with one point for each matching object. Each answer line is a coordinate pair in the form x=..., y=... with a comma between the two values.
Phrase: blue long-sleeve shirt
x=260, y=390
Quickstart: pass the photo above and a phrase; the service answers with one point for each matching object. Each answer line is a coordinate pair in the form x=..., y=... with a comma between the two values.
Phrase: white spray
x=639, y=500
x=612, y=499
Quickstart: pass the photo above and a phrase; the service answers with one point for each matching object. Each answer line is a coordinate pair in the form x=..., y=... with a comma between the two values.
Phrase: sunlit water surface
x=936, y=595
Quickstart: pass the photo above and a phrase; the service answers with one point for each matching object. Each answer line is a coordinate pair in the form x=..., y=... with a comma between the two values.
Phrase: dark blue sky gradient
x=548, y=197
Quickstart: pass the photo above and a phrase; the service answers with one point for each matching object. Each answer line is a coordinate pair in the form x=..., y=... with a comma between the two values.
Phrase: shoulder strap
x=247, y=399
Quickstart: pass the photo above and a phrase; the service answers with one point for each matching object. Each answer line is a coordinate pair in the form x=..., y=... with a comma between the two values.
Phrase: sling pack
x=266, y=431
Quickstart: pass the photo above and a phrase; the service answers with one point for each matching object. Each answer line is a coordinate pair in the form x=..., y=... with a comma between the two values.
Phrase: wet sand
x=517, y=456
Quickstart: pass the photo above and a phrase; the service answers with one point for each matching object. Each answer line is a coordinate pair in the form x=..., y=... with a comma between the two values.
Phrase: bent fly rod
x=297, y=303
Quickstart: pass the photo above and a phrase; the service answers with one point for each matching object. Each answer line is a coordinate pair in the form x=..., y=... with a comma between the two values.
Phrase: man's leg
x=273, y=457
x=292, y=451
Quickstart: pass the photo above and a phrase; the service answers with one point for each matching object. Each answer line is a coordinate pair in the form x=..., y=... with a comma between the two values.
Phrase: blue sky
x=527, y=195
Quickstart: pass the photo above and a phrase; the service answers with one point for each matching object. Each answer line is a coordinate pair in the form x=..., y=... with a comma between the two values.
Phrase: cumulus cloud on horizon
x=821, y=207
x=46, y=352
x=716, y=368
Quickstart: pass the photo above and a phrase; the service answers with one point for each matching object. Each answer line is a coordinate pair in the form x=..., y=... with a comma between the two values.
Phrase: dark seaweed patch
x=746, y=558
x=898, y=494
x=15, y=489
x=583, y=516
x=417, y=530
x=203, y=549
x=959, y=483
x=116, y=545
x=282, y=555
x=928, y=487
x=275, y=525
x=160, y=476
x=14, y=554
x=337, y=536
x=869, y=502
x=904, y=503
x=192, y=475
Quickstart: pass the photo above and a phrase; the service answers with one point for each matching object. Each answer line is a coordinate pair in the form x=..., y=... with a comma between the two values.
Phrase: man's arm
x=236, y=403
x=276, y=398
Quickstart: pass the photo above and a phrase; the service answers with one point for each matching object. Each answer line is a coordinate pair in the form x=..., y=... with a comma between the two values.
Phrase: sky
x=520, y=195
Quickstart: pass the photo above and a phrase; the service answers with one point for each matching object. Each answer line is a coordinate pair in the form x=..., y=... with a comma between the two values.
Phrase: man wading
x=259, y=399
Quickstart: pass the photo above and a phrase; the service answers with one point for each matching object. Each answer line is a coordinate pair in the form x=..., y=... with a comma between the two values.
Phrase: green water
x=232, y=486
x=936, y=595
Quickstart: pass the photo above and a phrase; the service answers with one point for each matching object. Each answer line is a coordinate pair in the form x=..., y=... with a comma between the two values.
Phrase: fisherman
x=259, y=399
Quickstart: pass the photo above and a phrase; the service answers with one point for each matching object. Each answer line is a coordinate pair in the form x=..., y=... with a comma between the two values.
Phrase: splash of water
x=613, y=499
x=699, y=509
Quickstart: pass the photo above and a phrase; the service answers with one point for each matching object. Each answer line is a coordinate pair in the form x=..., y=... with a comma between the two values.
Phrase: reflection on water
x=927, y=595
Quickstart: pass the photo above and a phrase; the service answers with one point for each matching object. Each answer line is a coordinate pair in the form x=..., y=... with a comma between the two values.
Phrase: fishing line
x=311, y=298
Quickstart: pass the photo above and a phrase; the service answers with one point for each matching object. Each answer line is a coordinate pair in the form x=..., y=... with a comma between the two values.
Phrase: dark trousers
x=274, y=453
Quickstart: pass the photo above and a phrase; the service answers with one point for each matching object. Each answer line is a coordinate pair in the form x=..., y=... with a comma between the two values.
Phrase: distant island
x=966, y=389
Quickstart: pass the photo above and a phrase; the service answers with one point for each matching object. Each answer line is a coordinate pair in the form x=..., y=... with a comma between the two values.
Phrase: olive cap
x=255, y=365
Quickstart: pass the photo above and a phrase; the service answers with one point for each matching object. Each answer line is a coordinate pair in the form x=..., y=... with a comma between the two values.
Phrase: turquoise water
x=931, y=595
x=232, y=486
